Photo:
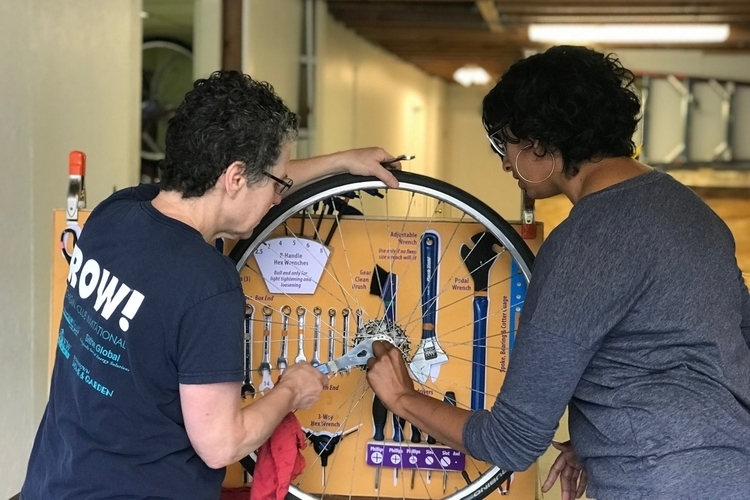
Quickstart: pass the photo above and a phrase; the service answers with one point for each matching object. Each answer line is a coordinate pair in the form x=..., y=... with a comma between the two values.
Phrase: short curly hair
x=225, y=118
x=570, y=99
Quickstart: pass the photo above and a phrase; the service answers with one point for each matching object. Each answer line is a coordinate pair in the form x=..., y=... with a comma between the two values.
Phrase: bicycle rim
x=387, y=232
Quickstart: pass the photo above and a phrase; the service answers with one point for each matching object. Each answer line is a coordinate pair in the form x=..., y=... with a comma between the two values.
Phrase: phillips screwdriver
x=398, y=436
x=379, y=418
x=416, y=437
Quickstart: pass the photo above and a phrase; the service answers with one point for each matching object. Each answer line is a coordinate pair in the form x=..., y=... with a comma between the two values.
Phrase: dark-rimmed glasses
x=282, y=185
x=498, y=145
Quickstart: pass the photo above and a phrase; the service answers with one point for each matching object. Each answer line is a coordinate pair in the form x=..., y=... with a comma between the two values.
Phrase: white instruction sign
x=292, y=265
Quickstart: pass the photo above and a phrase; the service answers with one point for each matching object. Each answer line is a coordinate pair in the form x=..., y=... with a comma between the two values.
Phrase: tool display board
x=344, y=282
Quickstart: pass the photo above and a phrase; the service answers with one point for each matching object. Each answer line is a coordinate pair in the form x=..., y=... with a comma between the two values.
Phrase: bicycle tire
x=323, y=189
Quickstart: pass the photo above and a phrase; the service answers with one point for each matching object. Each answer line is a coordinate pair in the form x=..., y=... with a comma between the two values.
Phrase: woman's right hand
x=306, y=383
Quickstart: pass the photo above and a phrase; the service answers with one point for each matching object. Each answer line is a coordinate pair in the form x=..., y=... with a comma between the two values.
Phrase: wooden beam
x=231, y=57
x=491, y=15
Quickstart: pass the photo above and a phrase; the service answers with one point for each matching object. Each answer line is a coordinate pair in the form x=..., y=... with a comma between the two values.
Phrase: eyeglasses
x=282, y=185
x=498, y=145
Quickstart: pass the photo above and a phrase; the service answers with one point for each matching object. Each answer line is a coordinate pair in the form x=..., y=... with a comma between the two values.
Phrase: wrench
x=345, y=331
x=479, y=260
x=331, y=331
x=264, y=368
x=429, y=355
x=316, y=337
x=357, y=356
x=300, y=335
x=281, y=361
x=247, y=387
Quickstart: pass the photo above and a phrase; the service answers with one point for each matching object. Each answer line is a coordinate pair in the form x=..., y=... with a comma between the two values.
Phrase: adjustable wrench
x=430, y=355
x=281, y=361
x=264, y=368
x=300, y=335
x=316, y=337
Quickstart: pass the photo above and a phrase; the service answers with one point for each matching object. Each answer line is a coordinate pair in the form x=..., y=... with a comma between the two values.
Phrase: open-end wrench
x=360, y=320
x=479, y=260
x=266, y=383
x=247, y=387
x=331, y=333
x=282, y=362
x=345, y=331
x=429, y=356
x=315, y=361
x=357, y=356
x=300, y=335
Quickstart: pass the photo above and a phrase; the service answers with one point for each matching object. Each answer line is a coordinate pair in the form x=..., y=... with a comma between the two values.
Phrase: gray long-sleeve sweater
x=638, y=319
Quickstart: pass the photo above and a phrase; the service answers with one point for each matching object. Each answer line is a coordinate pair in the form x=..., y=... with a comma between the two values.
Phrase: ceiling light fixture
x=629, y=33
x=471, y=75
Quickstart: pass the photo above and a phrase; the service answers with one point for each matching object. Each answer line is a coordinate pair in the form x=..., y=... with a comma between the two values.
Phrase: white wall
x=69, y=79
x=472, y=165
x=274, y=37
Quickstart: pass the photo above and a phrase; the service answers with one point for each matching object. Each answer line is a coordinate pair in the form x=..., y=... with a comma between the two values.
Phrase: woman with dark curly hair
x=145, y=401
x=636, y=319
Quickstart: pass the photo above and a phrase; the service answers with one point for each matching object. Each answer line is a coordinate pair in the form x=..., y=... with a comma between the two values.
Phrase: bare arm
x=364, y=161
x=389, y=378
x=222, y=432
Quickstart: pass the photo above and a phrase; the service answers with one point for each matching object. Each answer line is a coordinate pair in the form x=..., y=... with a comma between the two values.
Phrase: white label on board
x=292, y=265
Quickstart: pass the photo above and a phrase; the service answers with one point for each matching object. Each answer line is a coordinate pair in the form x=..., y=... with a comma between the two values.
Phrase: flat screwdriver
x=379, y=418
x=450, y=398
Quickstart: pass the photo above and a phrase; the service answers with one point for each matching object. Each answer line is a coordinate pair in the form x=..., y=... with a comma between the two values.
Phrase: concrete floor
x=732, y=204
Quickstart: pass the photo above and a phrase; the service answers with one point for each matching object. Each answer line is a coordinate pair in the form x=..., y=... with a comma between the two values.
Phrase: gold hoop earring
x=518, y=172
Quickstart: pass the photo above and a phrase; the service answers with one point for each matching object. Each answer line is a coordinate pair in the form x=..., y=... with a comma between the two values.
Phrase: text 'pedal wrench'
x=429, y=356
x=479, y=260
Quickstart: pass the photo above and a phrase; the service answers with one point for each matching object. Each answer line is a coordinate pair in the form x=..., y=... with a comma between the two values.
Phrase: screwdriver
x=450, y=398
x=430, y=440
x=398, y=436
x=379, y=418
x=416, y=437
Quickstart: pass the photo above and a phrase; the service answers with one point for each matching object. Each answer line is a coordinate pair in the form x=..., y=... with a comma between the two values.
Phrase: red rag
x=279, y=461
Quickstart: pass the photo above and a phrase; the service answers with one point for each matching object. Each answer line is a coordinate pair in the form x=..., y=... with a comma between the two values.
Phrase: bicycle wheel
x=429, y=265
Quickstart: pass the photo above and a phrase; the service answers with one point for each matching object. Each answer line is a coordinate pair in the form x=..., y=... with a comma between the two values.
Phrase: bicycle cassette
x=386, y=331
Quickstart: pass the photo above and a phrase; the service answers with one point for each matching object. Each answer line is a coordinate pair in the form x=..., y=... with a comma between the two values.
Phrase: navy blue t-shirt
x=149, y=305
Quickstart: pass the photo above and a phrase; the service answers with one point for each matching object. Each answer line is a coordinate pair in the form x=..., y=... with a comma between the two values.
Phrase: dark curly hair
x=227, y=117
x=571, y=99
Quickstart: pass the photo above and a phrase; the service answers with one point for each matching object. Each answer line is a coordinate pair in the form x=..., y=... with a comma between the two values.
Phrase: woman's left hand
x=369, y=161
x=573, y=479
